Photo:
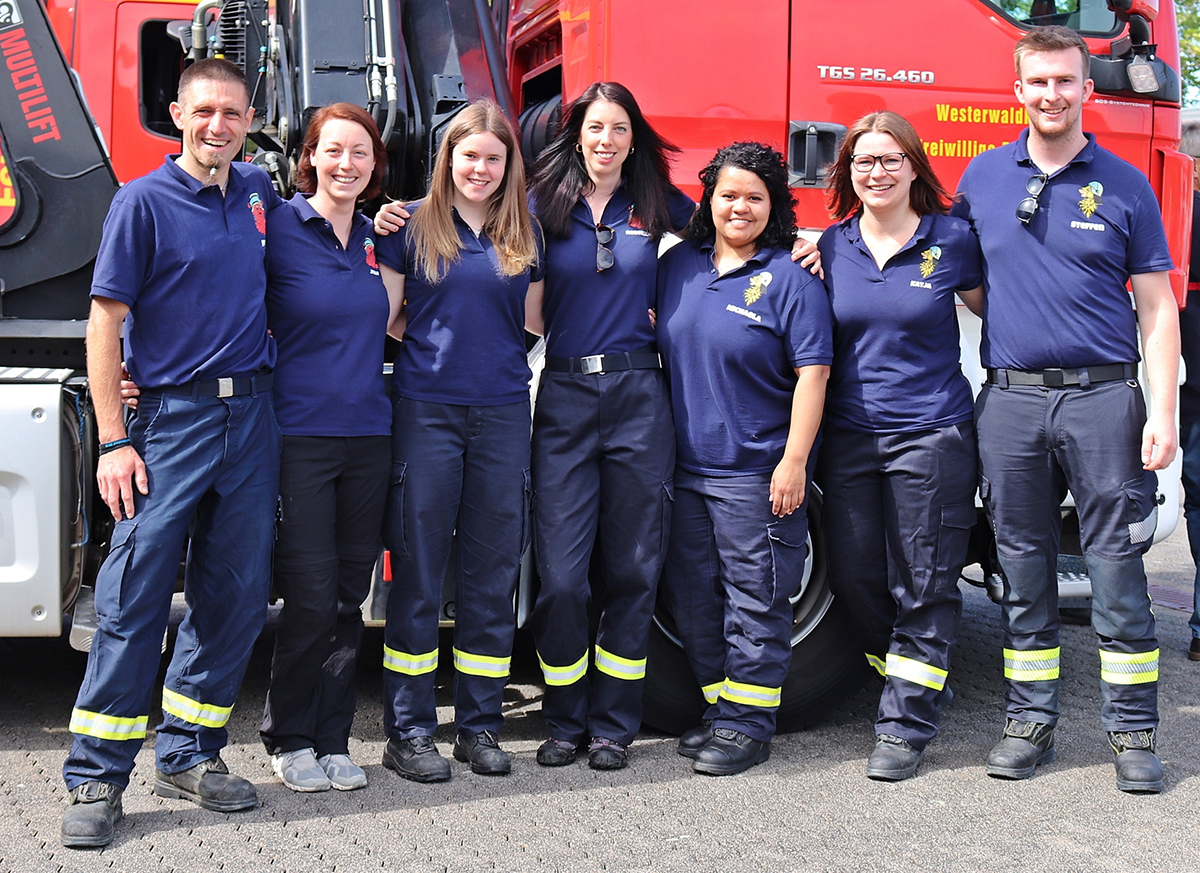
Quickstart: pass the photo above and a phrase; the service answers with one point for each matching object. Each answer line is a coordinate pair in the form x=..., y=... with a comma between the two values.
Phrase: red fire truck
x=83, y=103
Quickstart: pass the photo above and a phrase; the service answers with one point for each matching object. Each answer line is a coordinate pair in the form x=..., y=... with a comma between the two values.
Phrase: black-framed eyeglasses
x=1028, y=207
x=891, y=162
x=604, y=256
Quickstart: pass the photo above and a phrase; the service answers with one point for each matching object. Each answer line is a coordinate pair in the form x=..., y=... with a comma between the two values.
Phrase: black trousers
x=332, y=492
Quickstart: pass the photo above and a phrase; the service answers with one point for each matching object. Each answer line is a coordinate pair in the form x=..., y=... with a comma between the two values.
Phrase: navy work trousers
x=1034, y=444
x=602, y=461
x=1189, y=447
x=897, y=514
x=460, y=475
x=331, y=494
x=730, y=571
x=213, y=468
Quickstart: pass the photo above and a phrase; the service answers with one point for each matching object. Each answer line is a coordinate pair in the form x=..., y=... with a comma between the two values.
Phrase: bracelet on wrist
x=105, y=448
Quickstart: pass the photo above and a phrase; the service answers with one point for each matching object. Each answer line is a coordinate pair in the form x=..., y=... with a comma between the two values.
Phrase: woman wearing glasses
x=899, y=473
x=746, y=341
x=603, y=444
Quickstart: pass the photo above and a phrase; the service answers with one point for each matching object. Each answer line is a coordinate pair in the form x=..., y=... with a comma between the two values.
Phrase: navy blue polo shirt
x=895, y=330
x=328, y=310
x=1055, y=289
x=594, y=313
x=190, y=265
x=730, y=346
x=464, y=341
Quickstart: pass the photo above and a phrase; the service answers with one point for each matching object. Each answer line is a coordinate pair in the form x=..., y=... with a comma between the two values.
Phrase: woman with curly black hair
x=746, y=344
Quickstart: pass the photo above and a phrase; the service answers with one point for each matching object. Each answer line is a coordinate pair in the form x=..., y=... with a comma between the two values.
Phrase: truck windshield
x=1086, y=16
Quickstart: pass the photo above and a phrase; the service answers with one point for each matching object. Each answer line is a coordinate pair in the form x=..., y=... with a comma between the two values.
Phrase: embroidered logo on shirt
x=369, y=248
x=929, y=259
x=1090, y=198
x=260, y=214
x=757, y=285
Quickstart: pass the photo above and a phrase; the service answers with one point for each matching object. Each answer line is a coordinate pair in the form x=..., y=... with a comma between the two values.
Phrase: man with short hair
x=1189, y=391
x=181, y=263
x=1064, y=224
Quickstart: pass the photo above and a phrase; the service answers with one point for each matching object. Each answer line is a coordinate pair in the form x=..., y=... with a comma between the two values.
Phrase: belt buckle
x=1053, y=378
x=591, y=365
x=225, y=387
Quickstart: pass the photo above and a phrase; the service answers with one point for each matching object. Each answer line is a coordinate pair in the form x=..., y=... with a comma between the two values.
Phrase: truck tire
x=827, y=660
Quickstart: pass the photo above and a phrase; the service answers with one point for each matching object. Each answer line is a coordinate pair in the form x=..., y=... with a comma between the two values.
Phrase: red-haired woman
x=898, y=468
x=328, y=310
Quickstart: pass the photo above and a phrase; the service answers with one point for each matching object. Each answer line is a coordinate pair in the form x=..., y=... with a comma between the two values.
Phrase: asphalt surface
x=808, y=808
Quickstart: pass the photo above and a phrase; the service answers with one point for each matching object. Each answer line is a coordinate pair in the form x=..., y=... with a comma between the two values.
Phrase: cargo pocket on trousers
x=954, y=535
x=985, y=497
x=668, y=505
x=526, y=509
x=788, y=537
x=110, y=583
x=1141, y=509
x=395, y=534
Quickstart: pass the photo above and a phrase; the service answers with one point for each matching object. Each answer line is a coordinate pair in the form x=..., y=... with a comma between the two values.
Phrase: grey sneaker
x=344, y=774
x=300, y=771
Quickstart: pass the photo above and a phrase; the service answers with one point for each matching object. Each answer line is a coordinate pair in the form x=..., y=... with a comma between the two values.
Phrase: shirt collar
x=759, y=258
x=307, y=213
x=192, y=183
x=1085, y=155
x=853, y=233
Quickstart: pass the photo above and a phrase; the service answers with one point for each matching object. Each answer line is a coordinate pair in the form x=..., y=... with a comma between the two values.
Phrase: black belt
x=612, y=363
x=228, y=387
x=1056, y=378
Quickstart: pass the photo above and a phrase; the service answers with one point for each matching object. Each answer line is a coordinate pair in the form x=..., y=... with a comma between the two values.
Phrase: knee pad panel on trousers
x=1120, y=602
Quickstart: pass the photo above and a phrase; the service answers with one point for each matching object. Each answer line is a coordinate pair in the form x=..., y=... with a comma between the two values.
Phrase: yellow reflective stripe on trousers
x=917, y=672
x=877, y=663
x=618, y=667
x=193, y=711
x=712, y=692
x=751, y=695
x=481, y=665
x=409, y=664
x=1125, y=668
x=1032, y=665
x=563, y=675
x=107, y=727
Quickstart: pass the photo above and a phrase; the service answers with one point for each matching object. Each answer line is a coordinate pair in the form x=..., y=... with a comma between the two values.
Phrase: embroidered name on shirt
x=633, y=231
x=1088, y=225
x=753, y=316
x=916, y=283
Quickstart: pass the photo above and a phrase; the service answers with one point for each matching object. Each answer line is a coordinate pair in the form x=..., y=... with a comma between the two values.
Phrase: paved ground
x=808, y=808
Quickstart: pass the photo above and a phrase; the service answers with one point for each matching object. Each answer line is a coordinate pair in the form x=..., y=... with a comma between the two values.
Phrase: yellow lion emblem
x=1090, y=198
x=757, y=285
x=929, y=259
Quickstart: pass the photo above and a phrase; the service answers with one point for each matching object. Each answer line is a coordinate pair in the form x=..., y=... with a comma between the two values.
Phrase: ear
x=1089, y=87
x=177, y=114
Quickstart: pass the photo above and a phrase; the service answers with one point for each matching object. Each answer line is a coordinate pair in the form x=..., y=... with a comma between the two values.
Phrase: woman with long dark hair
x=603, y=445
x=898, y=479
x=746, y=343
